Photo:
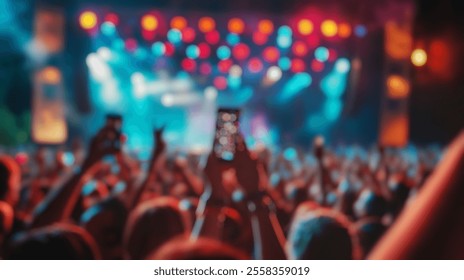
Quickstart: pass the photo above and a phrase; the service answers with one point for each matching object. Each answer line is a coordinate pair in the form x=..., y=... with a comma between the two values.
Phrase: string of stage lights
x=220, y=55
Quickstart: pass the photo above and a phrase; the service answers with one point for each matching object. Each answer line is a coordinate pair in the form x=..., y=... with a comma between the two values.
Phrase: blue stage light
x=223, y=52
x=284, y=63
x=192, y=51
x=285, y=30
x=174, y=36
x=321, y=54
x=232, y=39
x=108, y=28
x=360, y=31
x=158, y=48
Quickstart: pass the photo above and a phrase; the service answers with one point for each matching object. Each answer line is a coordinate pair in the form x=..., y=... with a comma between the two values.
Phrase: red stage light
x=241, y=51
x=131, y=44
x=271, y=54
x=113, y=18
x=299, y=48
x=148, y=35
x=317, y=66
x=255, y=65
x=188, y=35
x=298, y=65
x=259, y=38
x=332, y=55
x=236, y=25
x=212, y=37
x=224, y=65
x=205, y=50
x=205, y=68
x=313, y=41
x=168, y=49
x=220, y=83
x=188, y=64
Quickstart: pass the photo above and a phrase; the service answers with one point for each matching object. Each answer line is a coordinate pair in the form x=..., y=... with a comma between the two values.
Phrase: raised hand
x=106, y=142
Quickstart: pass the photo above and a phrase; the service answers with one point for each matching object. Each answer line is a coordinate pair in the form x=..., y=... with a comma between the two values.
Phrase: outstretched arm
x=60, y=203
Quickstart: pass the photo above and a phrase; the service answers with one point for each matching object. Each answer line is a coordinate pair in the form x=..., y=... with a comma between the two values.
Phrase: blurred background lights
x=265, y=26
x=158, y=48
x=168, y=100
x=284, y=63
x=108, y=28
x=271, y=54
x=178, y=23
x=274, y=73
x=232, y=39
x=192, y=51
x=344, y=30
x=329, y=28
x=112, y=18
x=305, y=27
x=321, y=54
x=236, y=25
x=149, y=22
x=342, y=65
x=235, y=70
x=223, y=52
x=174, y=36
x=210, y=93
x=284, y=41
x=419, y=57
x=104, y=53
x=255, y=65
x=360, y=31
x=398, y=87
x=88, y=20
x=206, y=24
x=285, y=30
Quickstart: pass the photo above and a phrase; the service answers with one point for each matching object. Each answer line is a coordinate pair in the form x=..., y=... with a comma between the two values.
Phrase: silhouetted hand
x=213, y=172
x=106, y=142
x=159, y=141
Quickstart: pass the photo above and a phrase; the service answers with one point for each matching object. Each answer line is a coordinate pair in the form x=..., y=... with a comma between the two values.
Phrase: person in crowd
x=328, y=203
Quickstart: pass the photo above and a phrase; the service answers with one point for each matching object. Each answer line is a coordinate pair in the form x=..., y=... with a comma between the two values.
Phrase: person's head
x=105, y=221
x=56, y=242
x=321, y=235
x=10, y=179
x=370, y=204
x=152, y=224
x=200, y=249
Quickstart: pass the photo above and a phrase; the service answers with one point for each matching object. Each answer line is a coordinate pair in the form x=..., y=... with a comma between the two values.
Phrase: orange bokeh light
x=206, y=24
x=51, y=75
x=344, y=30
x=265, y=26
x=398, y=87
x=178, y=23
x=236, y=25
